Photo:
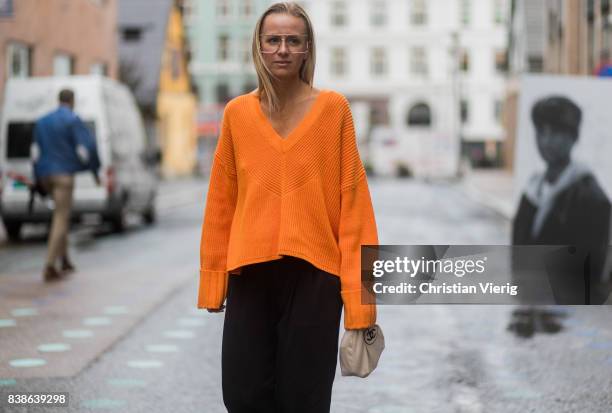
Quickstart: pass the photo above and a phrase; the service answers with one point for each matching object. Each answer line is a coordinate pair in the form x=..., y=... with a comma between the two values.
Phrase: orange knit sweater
x=305, y=195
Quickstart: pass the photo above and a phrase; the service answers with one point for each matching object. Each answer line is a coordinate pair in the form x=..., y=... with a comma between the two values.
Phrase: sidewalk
x=493, y=188
x=121, y=279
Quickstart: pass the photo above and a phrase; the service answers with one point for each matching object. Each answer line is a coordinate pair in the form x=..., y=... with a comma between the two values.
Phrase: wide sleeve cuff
x=213, y=289
x=357, y=315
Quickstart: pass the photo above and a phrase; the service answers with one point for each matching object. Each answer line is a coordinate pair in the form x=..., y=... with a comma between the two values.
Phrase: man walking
x=62, y=147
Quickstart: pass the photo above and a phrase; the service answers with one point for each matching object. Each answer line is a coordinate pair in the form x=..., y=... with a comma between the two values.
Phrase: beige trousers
x=60, y=188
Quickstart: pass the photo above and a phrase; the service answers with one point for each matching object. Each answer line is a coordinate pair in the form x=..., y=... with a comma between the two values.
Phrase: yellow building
x=176, y=104
x=153, y=62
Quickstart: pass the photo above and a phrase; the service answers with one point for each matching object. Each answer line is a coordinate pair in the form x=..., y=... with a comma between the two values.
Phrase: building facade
x=221, y=34
x=425, y=78
x=572, y=37
x=154, y=64
x=57, y=37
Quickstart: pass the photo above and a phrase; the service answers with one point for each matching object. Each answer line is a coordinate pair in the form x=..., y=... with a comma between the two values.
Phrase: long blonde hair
x=264, y=75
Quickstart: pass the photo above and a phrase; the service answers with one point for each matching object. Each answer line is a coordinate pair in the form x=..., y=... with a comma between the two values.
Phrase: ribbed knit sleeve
x=357, y=227
x=218, y=216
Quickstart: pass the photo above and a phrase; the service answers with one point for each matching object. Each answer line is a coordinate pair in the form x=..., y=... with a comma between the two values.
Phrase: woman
x=287, y=209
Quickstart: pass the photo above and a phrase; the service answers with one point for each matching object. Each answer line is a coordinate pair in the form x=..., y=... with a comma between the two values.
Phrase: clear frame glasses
x=295, y=43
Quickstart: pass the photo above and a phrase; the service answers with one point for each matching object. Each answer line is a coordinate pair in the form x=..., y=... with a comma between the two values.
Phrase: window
x=63, y=65
x=132, y=34
x=418, y=12
x=535, y=64
x=464, y=111
x=223, y=93
x=498, y=110
x=419, y=115
x=246, y=50
x=223, y=48
x=338, y=61
x=501, y=61
x=19, y=60
x=464, y=61
x=99, y=69
x=465, y=12
x=499, y=11
x=247, y=8
x=249, y=87
x=223, y=8
x=19, y=139
x=339, y=16
x=189, y=12
x=378, y=63
x=6, y=8
x=418, y=61
x=378, y=13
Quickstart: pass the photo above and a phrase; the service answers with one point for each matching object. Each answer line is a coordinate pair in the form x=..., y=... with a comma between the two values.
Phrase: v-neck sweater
x=305, y=195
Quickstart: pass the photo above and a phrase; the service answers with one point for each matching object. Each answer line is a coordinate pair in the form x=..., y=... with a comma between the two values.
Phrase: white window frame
x=465, y=12
x=418, y=61
x=245, y=55
x=24, y=53
x=338, y=61
x=339, y=13
x=378, y=62
x=223, y=49
x=418, y=12
x=63, y=64
x=99, y=68
x=247, y=8
x=378, y=13
x=223, y=9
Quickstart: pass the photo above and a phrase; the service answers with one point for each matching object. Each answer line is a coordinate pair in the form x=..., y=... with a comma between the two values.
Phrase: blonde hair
x=264, y=75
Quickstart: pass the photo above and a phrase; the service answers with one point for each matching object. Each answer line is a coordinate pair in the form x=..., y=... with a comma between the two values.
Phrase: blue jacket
x=63, y=145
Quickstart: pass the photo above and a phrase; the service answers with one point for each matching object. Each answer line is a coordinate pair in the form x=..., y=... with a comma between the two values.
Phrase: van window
x=21, y=134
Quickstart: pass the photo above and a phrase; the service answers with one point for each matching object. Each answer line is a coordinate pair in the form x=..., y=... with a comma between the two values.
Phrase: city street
x=123, y=332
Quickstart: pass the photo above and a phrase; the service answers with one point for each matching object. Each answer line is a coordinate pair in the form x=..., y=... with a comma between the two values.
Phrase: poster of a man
x=564, y=202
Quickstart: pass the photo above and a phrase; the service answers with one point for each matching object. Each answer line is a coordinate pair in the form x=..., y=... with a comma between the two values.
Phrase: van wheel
x=149, y=216
x=119, y=221
x=13, y=230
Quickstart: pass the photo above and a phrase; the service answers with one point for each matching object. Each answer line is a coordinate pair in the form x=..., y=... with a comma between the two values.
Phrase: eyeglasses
x=295, y=43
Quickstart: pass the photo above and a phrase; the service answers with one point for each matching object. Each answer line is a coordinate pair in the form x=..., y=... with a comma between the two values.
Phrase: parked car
x=128, y=179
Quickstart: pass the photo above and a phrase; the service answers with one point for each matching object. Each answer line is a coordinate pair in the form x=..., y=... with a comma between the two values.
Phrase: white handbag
x=360, y=351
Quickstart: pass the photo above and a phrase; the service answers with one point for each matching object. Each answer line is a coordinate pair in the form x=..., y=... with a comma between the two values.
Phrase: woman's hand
x=216, y=310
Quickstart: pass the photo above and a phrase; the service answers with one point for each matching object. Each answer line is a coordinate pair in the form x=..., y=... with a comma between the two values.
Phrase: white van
x=128, y=179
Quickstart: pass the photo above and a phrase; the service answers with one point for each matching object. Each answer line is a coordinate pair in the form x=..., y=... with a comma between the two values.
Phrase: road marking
x=390, y=409
x=115, y=310
x=77, y=333
x=24, y=363
x=523, y=393
x=103, y=404
x=586, y=333
x=7, y=382
x=24, y=312
x=7, y=322
x=145, y=364
x=97, y=321
x=162, y=348
x=182, y=334
x=191, y=322
x=600, y=345
x=54, y=347
x=127, y=382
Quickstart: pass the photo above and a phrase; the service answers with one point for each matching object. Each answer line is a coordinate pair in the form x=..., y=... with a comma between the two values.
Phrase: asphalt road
x=131, y=339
